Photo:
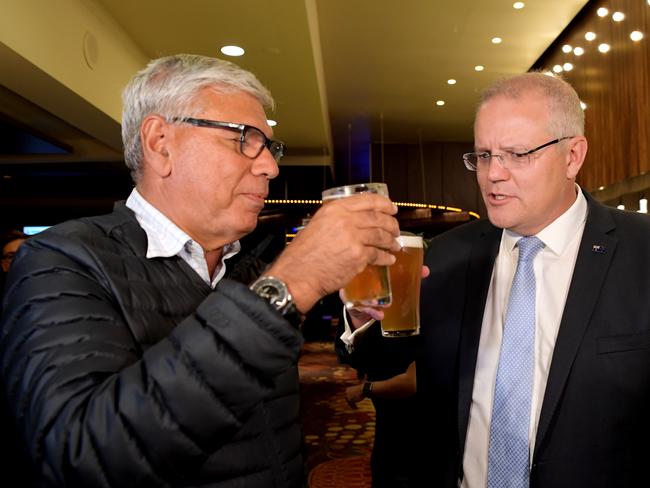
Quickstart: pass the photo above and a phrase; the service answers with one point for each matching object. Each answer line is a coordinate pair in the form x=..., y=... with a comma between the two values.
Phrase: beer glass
x=402, y=318
x=371, y=287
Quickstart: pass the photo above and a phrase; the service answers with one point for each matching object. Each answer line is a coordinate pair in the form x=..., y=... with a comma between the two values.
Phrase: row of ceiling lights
x=236, y=51
x=480, y=67
x=590, y=36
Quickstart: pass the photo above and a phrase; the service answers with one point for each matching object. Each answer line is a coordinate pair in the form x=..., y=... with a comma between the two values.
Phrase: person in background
x=9, y=243
x=128, y=357
x=536, y=321
x=387, y=369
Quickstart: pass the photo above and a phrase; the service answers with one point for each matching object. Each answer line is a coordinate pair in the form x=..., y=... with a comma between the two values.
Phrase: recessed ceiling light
x=590, y=36
x=549, y=73
x=271, y=122
x=583, y=105
x=567, y=66
x=618, y=16
x=496, y=40
x=603, y=48
x=557, y=68
x=566, y=48
x=518, y=5
x=578, y=51
x=451, y=81
x=440, y=103
x=602, y=12
x=232, y=51
x=479, y=67
x=636, y=35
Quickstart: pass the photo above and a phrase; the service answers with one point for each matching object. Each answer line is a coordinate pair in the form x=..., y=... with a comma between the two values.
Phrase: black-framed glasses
x=252, y=141
x=475, y=161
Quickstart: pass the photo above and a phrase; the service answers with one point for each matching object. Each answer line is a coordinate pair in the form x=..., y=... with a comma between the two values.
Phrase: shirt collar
x=164, y=238
x=558, y=234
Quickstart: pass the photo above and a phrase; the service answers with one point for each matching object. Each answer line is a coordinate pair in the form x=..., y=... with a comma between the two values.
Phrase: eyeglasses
x=252, y=141
x=475, y=161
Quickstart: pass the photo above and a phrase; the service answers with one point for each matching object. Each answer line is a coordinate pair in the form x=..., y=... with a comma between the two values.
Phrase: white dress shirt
x=166, y=239
x=553, y=268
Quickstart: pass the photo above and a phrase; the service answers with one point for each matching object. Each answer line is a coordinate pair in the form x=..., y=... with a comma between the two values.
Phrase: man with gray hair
x=536, y=321
x=129, y=355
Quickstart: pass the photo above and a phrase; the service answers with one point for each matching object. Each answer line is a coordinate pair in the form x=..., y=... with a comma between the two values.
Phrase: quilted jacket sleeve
x=97, y=411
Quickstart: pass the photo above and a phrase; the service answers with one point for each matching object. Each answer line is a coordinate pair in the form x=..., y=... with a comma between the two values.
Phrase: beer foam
x=409, y=241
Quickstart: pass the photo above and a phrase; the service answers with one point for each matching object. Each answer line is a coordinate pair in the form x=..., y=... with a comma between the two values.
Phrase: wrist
x=367, y=389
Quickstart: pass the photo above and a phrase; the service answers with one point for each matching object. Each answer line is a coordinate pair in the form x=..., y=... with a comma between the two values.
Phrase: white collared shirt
x=553, y=268
x=166, y=239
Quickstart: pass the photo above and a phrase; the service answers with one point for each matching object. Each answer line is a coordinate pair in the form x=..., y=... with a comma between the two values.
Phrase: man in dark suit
x=586, y=404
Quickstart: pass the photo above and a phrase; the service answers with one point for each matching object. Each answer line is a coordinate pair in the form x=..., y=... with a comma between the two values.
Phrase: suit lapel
x=483, y=255
x=594, y=257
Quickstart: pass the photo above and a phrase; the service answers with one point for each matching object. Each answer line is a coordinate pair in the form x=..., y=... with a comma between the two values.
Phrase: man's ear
x=155, y=137
x=576, y=156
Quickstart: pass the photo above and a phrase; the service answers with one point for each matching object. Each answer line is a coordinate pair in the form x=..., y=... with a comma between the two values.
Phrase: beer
x=371, y=287
x=402, y=318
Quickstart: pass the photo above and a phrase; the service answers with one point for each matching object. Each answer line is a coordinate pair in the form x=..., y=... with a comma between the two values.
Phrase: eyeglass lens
x=254, y=142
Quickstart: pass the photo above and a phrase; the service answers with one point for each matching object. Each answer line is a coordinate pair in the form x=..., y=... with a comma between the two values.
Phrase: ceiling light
x=496, y=40
x=549, y=73
x=518, y=5
x=590, y=36
x=618, y=16
x=557, y=68
x=440, y=103
x=567, y=66
x=479, y=67
x=636, y=35
x=602, y=12
x=566, y=48
x=603, y=48
x=451, y=81
x=583, y=105
x=578, y=51
x=271, y=122
x=620, y=206
x=232, y=51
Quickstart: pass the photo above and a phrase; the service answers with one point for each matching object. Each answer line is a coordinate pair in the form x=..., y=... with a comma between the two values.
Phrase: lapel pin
x=598, y=248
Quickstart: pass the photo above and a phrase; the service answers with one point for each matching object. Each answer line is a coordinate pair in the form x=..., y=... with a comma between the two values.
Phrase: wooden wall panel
x=430, y=173
x=614, y=85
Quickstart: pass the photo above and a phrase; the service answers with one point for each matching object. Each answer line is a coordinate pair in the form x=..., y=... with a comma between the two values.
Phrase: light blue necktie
x=508, y=456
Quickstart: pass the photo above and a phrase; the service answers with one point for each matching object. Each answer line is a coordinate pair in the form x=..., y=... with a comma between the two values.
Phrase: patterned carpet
x=338, y=438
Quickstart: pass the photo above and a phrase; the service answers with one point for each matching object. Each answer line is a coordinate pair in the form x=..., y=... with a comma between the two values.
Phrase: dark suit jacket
x=594, y=428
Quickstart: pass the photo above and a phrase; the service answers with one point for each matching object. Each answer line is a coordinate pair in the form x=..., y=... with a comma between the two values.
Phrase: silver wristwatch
x=275, y=291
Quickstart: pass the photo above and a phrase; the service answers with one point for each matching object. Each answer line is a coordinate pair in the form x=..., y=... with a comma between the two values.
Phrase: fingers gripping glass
x=508, y=159
x=252, y=141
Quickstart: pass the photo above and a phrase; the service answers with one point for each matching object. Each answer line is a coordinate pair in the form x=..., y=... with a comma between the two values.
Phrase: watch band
x=367, y=389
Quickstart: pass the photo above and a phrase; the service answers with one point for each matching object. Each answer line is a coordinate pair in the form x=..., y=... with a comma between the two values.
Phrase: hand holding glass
x=371, y=287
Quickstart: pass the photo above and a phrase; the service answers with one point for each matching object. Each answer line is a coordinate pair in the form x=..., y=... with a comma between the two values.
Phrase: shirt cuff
x=349, y=337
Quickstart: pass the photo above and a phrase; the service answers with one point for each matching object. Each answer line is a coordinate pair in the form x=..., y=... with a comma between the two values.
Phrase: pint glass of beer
x=402, y=318
x=371, y=287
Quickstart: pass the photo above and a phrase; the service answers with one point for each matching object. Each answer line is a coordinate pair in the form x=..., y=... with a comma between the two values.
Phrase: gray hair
x=566, y=117
x=169, y=87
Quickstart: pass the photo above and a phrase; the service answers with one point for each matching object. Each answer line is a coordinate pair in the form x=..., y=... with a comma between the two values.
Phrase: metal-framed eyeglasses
x=252, y=141
x=475, y=161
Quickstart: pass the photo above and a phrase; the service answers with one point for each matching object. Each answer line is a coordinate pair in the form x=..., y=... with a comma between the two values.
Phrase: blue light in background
x=30, y=230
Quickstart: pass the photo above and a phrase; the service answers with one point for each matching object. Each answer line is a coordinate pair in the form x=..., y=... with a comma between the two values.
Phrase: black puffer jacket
x=125, y=371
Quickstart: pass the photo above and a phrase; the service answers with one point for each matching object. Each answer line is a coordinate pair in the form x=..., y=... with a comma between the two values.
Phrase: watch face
x=273, y=290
